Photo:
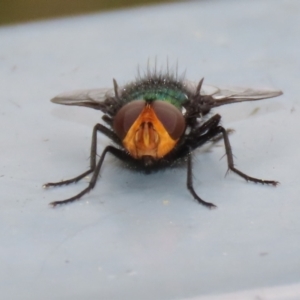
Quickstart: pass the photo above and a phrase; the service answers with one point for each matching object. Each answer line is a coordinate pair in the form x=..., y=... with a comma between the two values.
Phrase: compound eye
x=170, y=117
x=126, y=116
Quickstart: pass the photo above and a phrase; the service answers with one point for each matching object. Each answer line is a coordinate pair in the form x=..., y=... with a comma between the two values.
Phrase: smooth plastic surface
x=141, y=236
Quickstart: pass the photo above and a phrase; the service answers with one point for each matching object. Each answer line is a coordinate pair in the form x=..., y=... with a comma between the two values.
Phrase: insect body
x=157, y=121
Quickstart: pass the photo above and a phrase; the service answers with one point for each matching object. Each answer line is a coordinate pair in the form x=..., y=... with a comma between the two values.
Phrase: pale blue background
x=144, y=237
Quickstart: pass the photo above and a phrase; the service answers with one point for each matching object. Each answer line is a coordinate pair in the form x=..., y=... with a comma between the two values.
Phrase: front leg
x=196, y=138
x=109, y=149
x=98, y=127
x=206, y=126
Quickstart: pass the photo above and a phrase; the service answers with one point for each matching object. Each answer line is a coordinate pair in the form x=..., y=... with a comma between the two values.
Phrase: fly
x=157, y=121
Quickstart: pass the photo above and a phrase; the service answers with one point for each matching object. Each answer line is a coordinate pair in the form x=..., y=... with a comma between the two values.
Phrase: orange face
x=149, y=129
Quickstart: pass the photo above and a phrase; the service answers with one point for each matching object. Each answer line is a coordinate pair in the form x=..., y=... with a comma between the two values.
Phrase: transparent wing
x=244, y=94
x=215, y=96
x=90, y=98
x=221, y=96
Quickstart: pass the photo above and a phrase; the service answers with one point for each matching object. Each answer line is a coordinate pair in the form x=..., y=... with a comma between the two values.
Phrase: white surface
x=137, y=236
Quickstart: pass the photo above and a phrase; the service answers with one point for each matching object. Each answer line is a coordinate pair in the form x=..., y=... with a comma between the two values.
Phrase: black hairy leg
x=210, y=131
x=98, y=127
x=189, y=184
x=213, y=132
x=198, y=137
x=109, y=149
x=230, y=161
x=206, y=126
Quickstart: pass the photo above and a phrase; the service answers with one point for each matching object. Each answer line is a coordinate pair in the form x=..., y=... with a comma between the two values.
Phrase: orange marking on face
x=147, y=136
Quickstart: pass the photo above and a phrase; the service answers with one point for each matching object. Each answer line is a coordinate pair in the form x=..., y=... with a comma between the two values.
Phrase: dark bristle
x=152, y=81
x=158, y=74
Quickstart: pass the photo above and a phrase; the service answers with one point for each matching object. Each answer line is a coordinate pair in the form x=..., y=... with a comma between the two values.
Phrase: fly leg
x=198, y=138
x=213, y=131
x=220, y=137
x=190, y=184
x=231, y=163
x=98, y=127
x=116, y=152
x=208, y=125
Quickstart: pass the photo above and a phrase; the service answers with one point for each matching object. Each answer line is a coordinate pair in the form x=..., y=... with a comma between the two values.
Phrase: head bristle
x=198, y=89
x=164, y=72
x=116, y=89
